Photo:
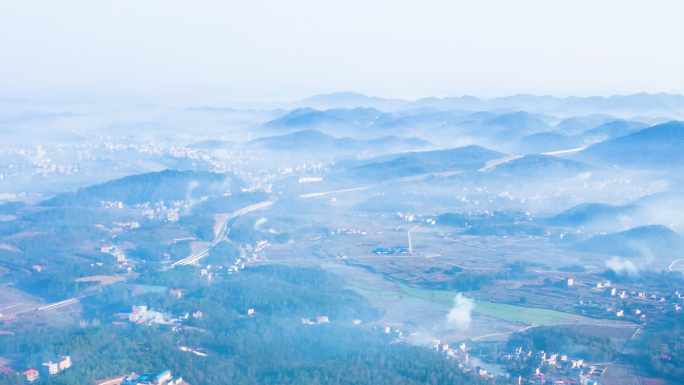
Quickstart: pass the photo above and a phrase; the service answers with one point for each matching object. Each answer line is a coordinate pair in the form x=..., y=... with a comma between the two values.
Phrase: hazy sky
x=267, y=50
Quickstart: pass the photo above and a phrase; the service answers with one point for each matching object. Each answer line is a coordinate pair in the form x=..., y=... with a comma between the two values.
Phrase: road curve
x=223, y=231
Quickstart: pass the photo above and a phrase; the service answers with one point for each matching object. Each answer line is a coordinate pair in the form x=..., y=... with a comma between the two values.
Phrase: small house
x=31, y=375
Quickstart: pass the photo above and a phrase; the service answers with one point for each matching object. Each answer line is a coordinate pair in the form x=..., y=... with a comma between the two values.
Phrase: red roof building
x=31, y=375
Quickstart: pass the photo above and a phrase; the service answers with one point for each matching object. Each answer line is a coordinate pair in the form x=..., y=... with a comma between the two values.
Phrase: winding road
x=223, y=231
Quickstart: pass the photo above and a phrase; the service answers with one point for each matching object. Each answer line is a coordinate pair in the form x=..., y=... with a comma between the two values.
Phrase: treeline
x=469, y=281
x=662, y=279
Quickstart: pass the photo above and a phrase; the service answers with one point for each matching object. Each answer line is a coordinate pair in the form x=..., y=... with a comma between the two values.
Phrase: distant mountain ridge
x=634, y=104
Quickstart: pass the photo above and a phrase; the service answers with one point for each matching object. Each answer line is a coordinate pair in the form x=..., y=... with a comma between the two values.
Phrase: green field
x=442, y=300
x=525, y=315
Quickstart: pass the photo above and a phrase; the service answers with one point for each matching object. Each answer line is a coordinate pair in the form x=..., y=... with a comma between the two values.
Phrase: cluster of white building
x=115, y=251
x=319, y=320
x=49, y=368
x=417, y=218
x=348, y=231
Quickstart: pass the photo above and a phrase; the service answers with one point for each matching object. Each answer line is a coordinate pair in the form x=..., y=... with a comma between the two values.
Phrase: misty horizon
x=314, y=193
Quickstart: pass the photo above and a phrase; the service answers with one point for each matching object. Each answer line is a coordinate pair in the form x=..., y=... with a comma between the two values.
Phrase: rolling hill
x=307, y=118
x=316, y=142
x=541, y=166
x=548, y=141
x=589, y=213
x=520, y=122
x=615, y=129
x=427, y=162
x=660, y=145
x=647, y=241
x=308, y=140
x=579, y=124
x=152, y=187
x=660, y=208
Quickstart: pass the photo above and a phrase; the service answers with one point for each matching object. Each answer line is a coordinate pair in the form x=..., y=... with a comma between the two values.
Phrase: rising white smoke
x=259, y=223
x=150, y=316
x=622, y=266
x=459, y=315
x=191, y=186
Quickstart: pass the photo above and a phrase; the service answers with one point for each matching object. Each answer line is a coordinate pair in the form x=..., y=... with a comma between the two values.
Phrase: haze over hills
x=579, y=124
x=152, y=187
x=339, y=119
x=548, y=142
x=614, y=129
x=308, y=140
x=660, y=208
x=338, y=185
x=517, y=132
x=647, y=242
x=347, y=182
x=589, y=213
x=427, y=162
x=619, y=105
x=316, y=142
x=186, y=200
x=541, y=166
x=660, y=145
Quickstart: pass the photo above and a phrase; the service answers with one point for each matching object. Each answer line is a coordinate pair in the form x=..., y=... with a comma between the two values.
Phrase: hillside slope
x=152, y=187
x=660, y=145
x=647, y=241
x=427, y=162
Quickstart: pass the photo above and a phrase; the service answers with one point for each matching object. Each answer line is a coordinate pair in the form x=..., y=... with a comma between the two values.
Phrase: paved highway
x=223, y=231
x=60, y=303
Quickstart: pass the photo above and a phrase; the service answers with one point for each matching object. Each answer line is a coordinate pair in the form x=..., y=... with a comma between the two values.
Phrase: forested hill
x=272, y=346
x=659, y=146
x=165, y=185
x=646, y=241
x=425, y=162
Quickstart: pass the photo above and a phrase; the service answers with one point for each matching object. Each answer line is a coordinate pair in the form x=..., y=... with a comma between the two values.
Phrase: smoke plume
x=459, y=315
x=259, y=223
x=622, y=266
